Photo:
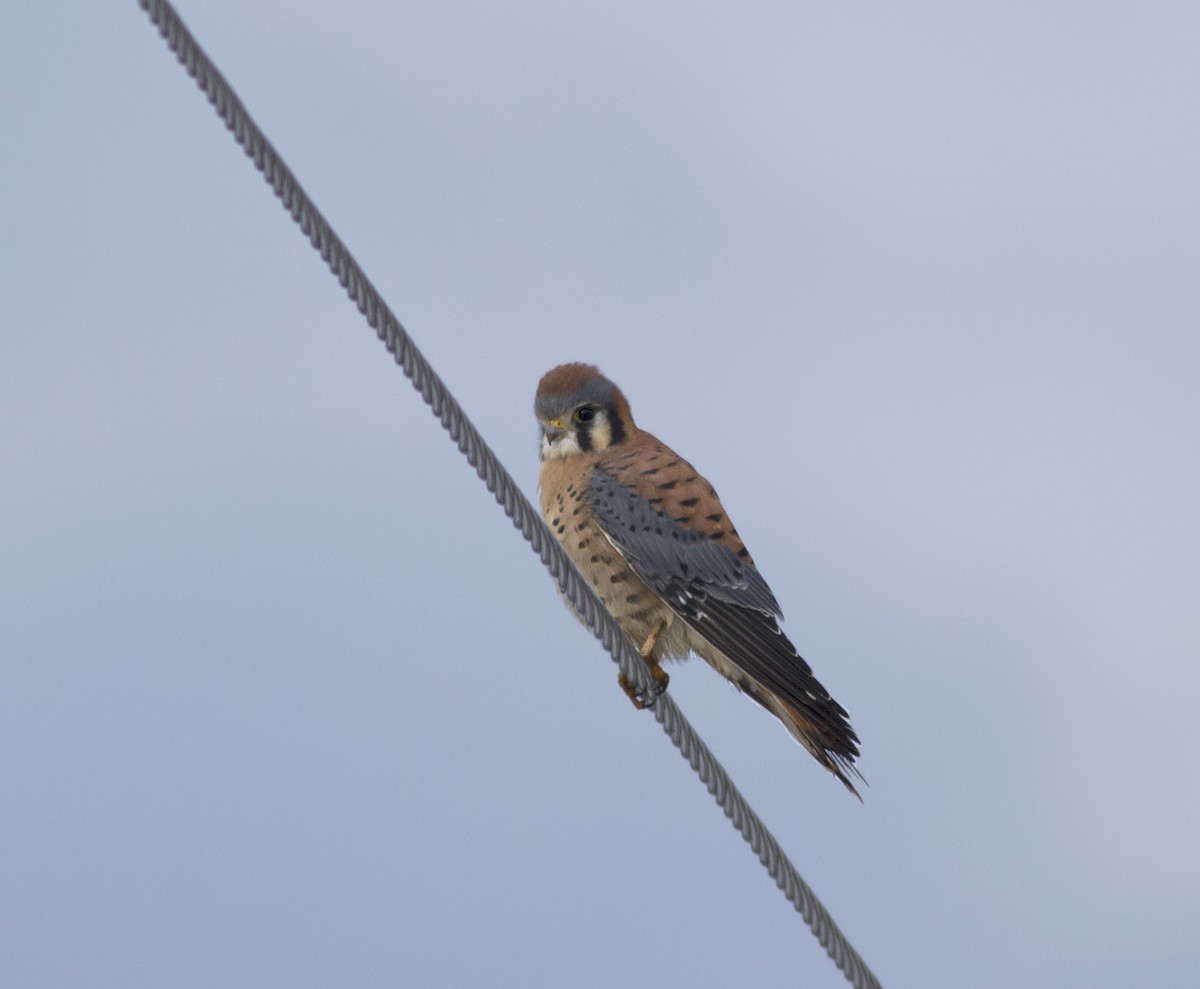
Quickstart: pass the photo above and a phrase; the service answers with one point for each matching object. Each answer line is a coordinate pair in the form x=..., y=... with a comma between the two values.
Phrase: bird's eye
x=585, y=414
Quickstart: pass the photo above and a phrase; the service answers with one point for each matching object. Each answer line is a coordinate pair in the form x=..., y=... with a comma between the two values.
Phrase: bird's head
x=580, y=411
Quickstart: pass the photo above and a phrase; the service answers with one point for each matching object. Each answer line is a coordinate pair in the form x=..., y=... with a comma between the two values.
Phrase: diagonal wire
x=498, y=481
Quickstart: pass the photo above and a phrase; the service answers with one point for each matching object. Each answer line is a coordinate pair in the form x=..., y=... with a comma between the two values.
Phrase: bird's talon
x=644, y=699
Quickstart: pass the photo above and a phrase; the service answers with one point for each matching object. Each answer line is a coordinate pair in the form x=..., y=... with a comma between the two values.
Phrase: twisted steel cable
x=498, y=481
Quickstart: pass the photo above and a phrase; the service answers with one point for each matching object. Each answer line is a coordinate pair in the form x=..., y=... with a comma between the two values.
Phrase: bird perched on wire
x=653, y=539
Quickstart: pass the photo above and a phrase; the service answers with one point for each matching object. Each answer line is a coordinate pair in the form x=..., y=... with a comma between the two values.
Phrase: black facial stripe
x=583, y=434
x=617, y=429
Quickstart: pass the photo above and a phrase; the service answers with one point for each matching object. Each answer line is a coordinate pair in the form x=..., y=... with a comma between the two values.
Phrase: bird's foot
x=644, y=699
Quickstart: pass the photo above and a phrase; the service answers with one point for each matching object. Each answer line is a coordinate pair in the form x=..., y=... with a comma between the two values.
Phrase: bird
x=650, y=535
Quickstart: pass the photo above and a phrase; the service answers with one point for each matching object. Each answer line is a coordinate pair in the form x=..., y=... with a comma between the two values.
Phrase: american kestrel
x=653, y=539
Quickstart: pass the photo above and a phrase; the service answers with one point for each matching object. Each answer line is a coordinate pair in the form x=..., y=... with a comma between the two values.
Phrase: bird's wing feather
x=646, y=533
x=719, y=594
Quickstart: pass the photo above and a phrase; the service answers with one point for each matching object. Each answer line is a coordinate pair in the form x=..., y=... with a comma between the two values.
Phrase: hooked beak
x=552, y=429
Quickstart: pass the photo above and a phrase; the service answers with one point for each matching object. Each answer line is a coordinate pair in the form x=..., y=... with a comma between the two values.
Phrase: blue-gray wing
x=679, y=563
x=720, y=595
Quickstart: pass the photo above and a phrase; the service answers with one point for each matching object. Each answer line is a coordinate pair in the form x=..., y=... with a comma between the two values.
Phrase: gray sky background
x=284, y=700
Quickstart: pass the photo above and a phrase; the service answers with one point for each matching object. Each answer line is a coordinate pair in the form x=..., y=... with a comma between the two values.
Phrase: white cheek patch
x=565, y=446
x=601, y=432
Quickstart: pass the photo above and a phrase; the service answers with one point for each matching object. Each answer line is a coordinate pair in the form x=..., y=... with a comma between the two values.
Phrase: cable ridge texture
x=498, y=481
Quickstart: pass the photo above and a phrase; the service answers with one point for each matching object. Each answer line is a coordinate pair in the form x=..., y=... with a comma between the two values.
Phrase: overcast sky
x=285, y=700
